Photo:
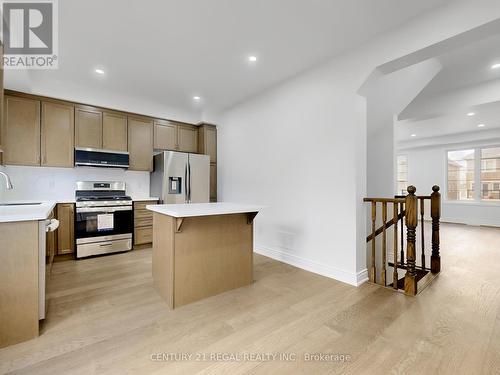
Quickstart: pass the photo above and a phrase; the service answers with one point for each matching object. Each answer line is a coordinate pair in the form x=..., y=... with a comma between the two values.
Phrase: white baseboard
x=355, y=279
x=472, y=222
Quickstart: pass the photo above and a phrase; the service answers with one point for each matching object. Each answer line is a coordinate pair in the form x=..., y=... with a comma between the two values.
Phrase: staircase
x=406, y=211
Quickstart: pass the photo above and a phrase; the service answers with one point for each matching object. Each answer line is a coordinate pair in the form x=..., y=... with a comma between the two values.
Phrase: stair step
x=401, y=282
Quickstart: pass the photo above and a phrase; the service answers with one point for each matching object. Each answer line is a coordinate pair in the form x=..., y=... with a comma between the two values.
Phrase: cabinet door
x=114, y=131
x=1, y=104
x=187, y=138
x=207, y=141
x=140, y=144
x=21, y=131
x=213, y=182
x=88, y=128
x=58, y=131
x=165, y=136
x=66, y=230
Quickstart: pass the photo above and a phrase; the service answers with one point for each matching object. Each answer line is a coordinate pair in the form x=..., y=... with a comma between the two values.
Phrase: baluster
x=373, y=277
x=384, y=244
x=411, y=225
x=395, y=244
x=435, y=215
x=401, y=207
x=422, y=210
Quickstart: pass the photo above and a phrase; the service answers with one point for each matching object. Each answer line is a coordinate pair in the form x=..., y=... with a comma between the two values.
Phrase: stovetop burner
x=104, y=198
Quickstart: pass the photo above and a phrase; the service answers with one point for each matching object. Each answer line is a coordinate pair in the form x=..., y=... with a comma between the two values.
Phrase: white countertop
x=144, y=199
x=25, y=212
x=203, y=209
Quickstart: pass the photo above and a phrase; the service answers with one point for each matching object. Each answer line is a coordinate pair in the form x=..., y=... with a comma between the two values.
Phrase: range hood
x=93, y=157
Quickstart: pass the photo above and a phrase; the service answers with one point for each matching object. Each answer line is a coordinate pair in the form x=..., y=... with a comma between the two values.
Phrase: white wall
x=40, y=183
x=280, y=151
x=300, y=149
x=427, y=167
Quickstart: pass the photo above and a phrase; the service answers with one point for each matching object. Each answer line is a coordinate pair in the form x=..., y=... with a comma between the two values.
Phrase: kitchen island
x=201, y=249
x=22, y=269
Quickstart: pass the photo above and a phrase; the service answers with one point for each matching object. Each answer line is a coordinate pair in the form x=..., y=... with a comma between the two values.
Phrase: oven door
x=103, y=221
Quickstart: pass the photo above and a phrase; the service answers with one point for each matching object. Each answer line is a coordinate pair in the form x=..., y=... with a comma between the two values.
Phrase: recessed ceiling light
x=252, y=58
x=413, y=135
x=471, y=114
x=99, y=71
x=196, y=98
x=481, y=125
x=495, y=66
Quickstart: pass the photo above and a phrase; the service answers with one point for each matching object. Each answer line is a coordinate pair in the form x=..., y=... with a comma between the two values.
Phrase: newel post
x=411, y=225
x=436, y=216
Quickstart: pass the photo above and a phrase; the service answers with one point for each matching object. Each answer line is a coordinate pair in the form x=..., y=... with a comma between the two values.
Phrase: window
x=402, y=174
x=461, y=174
x=490, y=173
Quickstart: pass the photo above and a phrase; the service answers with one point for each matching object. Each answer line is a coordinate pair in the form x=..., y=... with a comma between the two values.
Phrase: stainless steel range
x=104, y=219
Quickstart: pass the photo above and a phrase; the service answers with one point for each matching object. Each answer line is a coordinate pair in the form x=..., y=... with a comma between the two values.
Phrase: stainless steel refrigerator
x=181, y=178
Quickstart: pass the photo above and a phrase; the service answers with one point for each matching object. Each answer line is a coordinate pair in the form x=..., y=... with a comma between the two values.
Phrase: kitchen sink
x=20, y=204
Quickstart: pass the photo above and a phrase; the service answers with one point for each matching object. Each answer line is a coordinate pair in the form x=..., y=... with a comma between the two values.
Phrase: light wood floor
x=104, y=317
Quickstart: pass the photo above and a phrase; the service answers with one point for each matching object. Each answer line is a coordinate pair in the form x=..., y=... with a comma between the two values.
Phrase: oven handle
x=104, y=210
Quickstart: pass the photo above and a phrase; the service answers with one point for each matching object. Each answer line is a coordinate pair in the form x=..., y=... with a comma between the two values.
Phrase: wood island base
x=201, y=256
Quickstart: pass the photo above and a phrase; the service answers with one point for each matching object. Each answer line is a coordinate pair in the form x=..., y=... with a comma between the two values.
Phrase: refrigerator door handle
x=189, y=172
x=185, y=183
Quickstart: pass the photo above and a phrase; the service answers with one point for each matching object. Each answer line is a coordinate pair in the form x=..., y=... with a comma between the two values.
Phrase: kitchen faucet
x=8, y=183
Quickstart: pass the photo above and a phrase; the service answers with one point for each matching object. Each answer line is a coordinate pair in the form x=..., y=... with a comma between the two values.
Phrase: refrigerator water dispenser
x=174, y=185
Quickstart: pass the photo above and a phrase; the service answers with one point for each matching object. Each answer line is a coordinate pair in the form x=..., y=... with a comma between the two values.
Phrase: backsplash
x=45, y=183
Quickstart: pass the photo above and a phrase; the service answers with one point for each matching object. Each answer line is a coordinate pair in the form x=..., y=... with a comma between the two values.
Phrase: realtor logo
x=29, y=34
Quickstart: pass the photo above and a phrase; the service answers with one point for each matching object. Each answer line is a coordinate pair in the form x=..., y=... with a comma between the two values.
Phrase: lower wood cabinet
x=143, y=236
x=66, y=230
x=143, y=223
x=51, y=240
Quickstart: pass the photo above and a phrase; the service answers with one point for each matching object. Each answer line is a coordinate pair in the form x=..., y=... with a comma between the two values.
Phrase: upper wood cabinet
x=165, y=135
x=1, y=103
x=102, y=130
x=88, y=128
x=114, y=131
x=187, y=138
x=207, y=141
x=57, y=135
x=140, y=143
x=169, y=135
x=37, y=130
x=21, y=131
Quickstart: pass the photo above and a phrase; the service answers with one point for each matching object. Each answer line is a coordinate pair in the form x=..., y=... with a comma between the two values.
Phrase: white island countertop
x=203, y=209
x=28, y=212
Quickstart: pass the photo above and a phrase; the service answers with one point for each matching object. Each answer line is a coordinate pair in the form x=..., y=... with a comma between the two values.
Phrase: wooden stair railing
x=406, y=210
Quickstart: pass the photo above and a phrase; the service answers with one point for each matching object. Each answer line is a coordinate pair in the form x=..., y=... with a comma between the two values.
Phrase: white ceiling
x=168, y=51
x=452, y=123
x=467, y=66
x=466, y=83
